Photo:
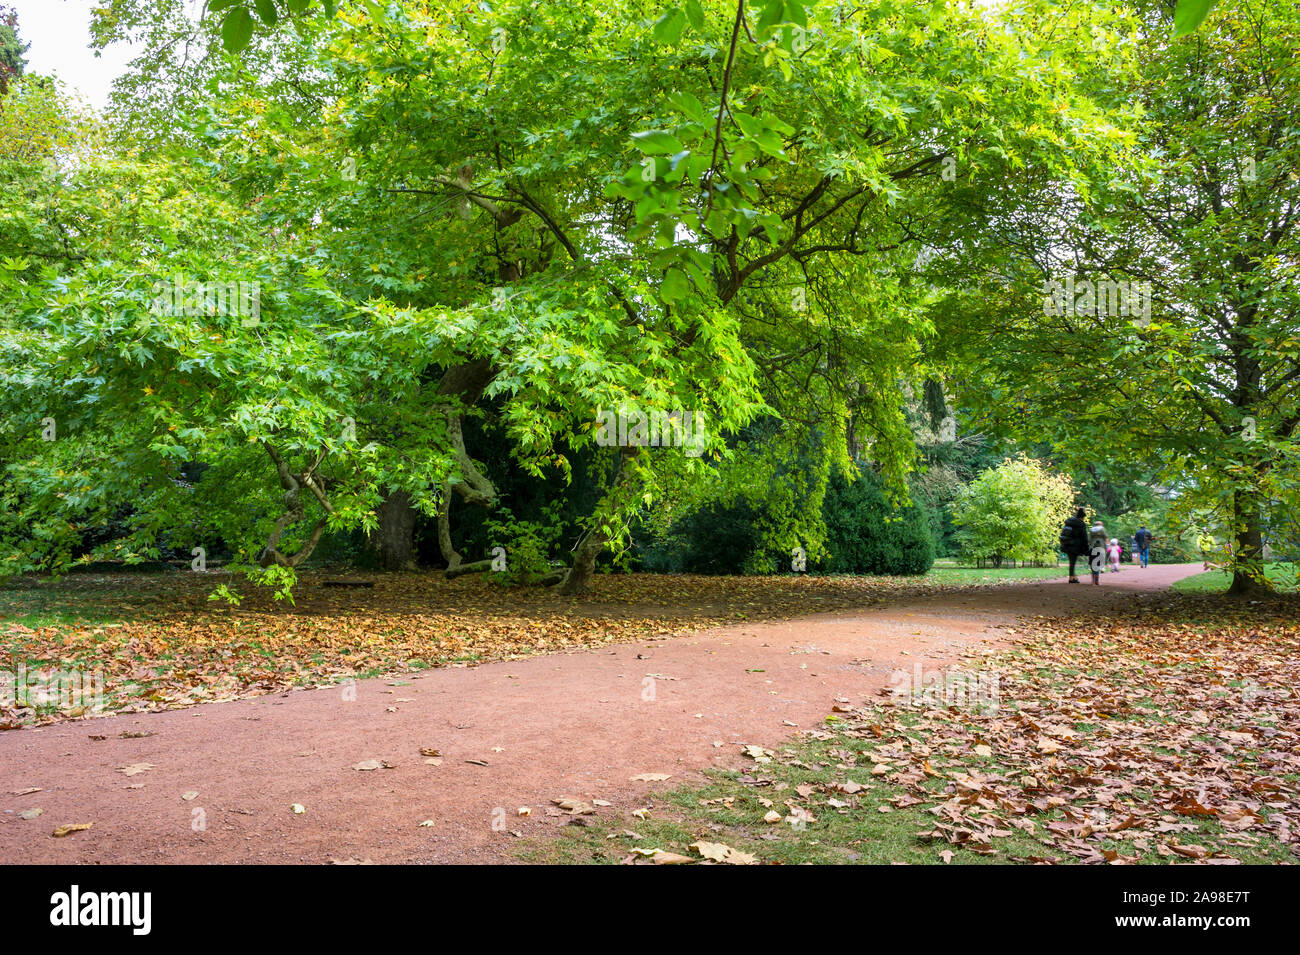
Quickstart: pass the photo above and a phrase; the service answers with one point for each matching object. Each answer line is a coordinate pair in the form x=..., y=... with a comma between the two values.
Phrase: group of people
x=1080, y=540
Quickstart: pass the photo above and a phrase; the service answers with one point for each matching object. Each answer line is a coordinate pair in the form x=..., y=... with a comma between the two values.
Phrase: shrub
x=720, y=539
x=867, y=534
x=1013, y=511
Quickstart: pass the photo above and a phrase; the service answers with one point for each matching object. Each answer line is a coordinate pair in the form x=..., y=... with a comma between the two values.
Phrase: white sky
x=59, y=34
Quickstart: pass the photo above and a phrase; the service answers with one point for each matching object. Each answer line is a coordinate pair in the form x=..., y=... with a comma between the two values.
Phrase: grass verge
x=1282, y=576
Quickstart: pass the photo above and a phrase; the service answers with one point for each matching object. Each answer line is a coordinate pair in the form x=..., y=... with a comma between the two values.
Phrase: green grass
x=952, y=573
x=729, y=809
x=1281, y=575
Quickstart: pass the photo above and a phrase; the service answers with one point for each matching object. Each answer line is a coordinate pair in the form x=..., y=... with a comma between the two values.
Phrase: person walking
x=1142, y=540
x=1097, y=539
x=1074, y=540
x=1113, y=551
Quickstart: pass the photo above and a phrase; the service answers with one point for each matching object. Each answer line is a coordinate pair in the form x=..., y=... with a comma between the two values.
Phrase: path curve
x=576, y=724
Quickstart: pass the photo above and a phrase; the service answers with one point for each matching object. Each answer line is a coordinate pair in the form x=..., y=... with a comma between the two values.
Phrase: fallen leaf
x=661, y=857
x=717, y=852
x=62, y=831
x=574, y=807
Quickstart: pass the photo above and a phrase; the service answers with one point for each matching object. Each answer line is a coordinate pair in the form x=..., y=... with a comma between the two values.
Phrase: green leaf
x=1189, y=14
x=656, y=142
x=695, y=13
x=689, y=104
x=266, y=11
x=236, y=29
x=668, y=28
x=771, y=13
x=676, y=286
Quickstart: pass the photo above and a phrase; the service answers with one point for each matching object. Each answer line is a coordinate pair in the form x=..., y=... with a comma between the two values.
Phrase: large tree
x=536, y=211
x=1205, y=387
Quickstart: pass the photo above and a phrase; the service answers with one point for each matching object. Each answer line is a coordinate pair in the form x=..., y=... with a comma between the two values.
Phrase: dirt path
x=578, y=724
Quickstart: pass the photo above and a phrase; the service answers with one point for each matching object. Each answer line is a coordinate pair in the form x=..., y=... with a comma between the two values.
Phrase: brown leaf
x=71, y=827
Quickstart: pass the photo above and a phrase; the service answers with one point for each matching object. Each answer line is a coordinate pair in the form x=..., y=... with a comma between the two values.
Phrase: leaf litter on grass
x=160, y=643
x=1121, y=738
x=1165, y=733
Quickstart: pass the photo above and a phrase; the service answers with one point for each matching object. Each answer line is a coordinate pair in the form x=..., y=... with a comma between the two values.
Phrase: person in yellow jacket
x=1206, y=543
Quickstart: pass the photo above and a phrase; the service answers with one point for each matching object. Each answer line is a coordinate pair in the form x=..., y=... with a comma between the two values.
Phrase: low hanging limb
x=473, y=567
x=293, y=485
x=455, y=568
x=597, y=535
x=474, y=488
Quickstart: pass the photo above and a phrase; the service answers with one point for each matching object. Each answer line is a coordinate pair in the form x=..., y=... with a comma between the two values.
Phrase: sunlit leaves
x=657, y=143
x=668, y=28
x=1189, y=14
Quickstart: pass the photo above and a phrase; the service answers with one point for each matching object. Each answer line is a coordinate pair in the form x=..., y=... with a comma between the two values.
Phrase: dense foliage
x=374, y=277
x=870, y=534
x=865, y=532
x=1200, y=384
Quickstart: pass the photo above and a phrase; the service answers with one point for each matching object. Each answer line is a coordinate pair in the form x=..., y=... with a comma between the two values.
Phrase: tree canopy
x=321, y=255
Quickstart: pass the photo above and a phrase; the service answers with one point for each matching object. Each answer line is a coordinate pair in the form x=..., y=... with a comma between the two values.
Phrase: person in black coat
x=1074, y=540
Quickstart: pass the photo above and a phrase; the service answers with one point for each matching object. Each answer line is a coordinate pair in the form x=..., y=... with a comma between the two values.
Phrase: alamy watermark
x=1105, y=298
x=129, y=909
x=944, y=688
x=189, y=299
x=637, y=428
x=52, y=690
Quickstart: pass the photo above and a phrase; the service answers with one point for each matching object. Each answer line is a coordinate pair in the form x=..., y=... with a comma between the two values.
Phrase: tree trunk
x=449, y=553
x=584, y=562
x=595, y=538
x=473, y=567
x=394, y=540
x=1248, y=551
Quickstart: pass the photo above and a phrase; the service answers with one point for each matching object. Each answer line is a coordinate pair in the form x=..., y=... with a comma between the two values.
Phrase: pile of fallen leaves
x=1114, y=739
x=157, y=641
